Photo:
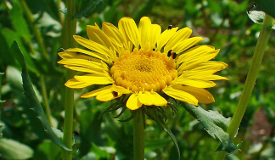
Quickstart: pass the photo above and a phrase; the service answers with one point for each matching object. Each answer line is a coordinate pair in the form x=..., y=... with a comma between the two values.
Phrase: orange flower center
x=143, y=70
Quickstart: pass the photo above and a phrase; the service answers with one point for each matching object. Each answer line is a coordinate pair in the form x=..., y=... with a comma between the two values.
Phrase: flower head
x=143, y=64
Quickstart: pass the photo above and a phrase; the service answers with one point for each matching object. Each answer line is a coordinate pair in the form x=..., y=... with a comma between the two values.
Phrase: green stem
x=36, y=31
x=138, y=135
x=250, y=80
x=45, y=98
x=68, y=41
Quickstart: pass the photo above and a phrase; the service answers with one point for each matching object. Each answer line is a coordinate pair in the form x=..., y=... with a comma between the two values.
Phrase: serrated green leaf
x=32, y=99
x=215, y=124
x=86, y=8
x=152, y=113
x=257, y=17
x=11, y=149
x=267, y=6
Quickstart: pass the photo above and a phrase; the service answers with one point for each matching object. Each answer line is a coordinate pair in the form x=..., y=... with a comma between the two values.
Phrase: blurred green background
x=223, y=24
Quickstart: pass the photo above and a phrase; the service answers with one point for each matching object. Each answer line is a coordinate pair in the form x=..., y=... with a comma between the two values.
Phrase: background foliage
x=224, y=24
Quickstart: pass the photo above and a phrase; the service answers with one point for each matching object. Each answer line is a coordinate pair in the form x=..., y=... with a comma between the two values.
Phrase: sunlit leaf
x=32, y=99
x=257, y=17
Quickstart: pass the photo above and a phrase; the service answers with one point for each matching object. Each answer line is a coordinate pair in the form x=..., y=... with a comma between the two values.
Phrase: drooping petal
x=202, y=95
x=73, y=83
x=107, y=96
x=120, y=89
x=145, y=98
x=128, y=27
x=97, y=91
x=158, y=99
x=165, y=37
x=180, y=35
x=151, y=98
x=133, y=103
x=180, y=95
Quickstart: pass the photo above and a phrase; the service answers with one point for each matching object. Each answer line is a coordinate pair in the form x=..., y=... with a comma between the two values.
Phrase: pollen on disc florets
x=143, y=70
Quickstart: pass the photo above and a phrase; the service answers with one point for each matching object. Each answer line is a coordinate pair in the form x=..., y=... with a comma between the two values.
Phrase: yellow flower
x=143, y=63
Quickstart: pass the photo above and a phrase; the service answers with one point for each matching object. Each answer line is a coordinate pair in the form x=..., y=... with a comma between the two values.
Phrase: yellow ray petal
x=215, y=77
x=165, y=37
x=146, y=98
x=195, y=52
x=159, y=100
x=202, y=95
x=106, y=96
x=194, y=82
x=128, y=27
x=151, y=98
x=84, y=69
x=98, y=36
x=154, y=35
x=198, y=74
x=184, y=45
x=73, y=83
x=90, y=53
x=120, y=89
x=115, y=36
x=144, y=28
x=95, y=78
x=211, y=65
x=97, y=91
x=180, y=35
x=93, y=46
x=84, y=63
x=133, y=102
x=180, y=95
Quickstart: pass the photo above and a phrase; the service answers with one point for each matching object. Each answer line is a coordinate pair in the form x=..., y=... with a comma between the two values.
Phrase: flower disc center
x=143, y=70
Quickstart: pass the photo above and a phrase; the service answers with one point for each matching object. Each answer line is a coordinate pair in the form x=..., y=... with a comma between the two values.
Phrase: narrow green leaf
x=215, y=124
x=152, y=113
x=1, y=74
x=267, y=6
x=10, y=149
x=32, y=99
x=86, y=8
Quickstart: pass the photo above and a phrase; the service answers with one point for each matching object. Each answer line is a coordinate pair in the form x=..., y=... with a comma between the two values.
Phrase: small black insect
x=115, y=94
x=174, y=55
x=153, y=49
x=171, y=53
x=170, y=26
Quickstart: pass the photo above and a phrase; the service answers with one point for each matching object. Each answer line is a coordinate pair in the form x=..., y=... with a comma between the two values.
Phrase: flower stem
x=250, y=81
x=138, y=135
x=45, y=98
x=69, y=29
